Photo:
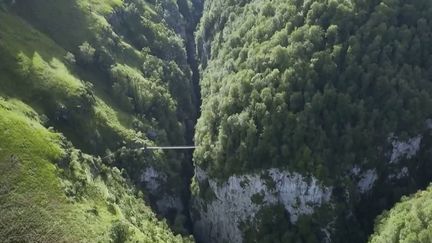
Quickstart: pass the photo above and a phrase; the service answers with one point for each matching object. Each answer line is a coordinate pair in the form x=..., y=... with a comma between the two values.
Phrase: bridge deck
x=171, y=147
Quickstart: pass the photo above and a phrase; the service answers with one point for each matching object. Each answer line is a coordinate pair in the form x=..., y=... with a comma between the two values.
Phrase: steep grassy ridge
x=72, y=78
x=52, y=192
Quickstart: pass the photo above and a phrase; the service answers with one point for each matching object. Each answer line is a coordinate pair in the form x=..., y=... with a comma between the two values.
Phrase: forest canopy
x=315, y=86
x=409, y=221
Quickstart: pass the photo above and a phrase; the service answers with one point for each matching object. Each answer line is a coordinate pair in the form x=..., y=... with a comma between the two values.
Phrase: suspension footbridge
x=169, y=147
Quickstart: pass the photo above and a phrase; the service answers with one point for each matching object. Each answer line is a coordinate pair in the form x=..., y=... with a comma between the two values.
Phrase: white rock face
x=400, y=150
x=327, y=232
x=402, y=174
x=219, y=219
x=367, y=180
x=355, y=170
x=404, y=149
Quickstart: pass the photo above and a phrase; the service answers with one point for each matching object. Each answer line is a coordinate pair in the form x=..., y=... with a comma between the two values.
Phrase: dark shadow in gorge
x=192, y=18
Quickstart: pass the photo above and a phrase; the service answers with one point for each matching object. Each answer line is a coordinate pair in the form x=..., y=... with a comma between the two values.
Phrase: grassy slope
x=26, y=150
x=34, y=204
x=32, y=60
x=50, y=191
x=82, y=21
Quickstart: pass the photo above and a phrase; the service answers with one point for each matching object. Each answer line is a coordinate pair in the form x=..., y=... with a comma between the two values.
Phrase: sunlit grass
x=32, y=189
x=101, y=7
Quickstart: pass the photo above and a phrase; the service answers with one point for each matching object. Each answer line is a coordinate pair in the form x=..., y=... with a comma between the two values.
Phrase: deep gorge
x=192, y=22
x=312, y=121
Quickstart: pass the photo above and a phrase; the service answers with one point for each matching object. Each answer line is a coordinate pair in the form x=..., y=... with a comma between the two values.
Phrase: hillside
x=312, y=121
x=85, y=85
x=52, y=192
x=314, y=117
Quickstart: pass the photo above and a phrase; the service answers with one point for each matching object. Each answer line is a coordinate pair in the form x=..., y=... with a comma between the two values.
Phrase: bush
x=120, y=232
x=86, y=53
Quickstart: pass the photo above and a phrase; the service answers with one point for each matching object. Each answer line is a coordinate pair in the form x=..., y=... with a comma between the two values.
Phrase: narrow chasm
x=192, y=18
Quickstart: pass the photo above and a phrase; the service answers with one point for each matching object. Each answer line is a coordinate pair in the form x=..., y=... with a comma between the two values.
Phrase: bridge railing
x=169, y=147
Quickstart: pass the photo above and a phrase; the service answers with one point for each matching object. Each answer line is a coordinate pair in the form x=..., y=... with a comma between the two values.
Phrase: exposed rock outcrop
x=404, y=149
x=240, y=198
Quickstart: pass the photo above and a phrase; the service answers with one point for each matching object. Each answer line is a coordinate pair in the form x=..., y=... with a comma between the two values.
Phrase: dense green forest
x=312, y=121
x=408, y=221
x=311, y=84
x=320, y=88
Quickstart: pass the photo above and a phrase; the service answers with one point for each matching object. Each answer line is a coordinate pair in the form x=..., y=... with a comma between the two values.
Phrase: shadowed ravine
x=224, y=121
x=192, y=22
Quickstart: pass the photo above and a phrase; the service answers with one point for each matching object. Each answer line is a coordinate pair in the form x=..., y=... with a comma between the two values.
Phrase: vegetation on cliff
x=409, y=221
x=104, y=78
x=52, y=192
x=320, y=88
x=317, y=87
